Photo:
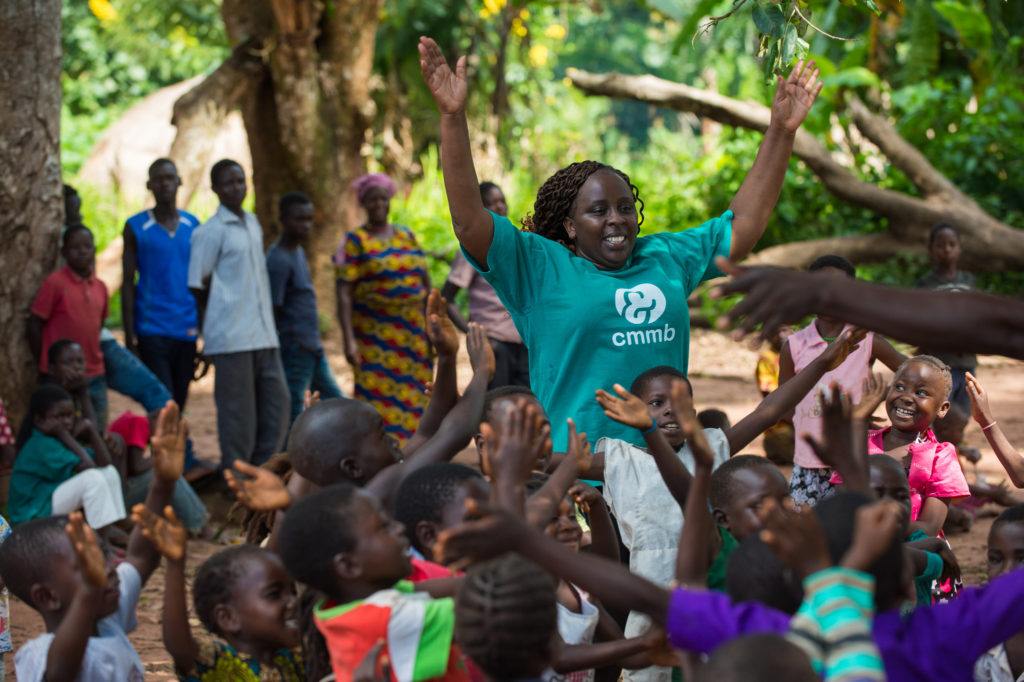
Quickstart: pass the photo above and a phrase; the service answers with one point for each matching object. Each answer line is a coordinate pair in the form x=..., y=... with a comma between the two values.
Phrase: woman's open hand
x=448, y=87
x=795, y=95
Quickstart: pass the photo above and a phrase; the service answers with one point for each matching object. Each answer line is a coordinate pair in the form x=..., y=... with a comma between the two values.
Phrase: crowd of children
x=654, y=550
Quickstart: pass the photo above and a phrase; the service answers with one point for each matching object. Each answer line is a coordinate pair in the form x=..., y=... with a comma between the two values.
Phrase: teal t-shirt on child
x=43, y=463
x=587, y=328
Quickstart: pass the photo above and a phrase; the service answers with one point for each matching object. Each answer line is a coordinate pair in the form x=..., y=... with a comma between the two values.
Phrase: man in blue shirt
x=294, y=299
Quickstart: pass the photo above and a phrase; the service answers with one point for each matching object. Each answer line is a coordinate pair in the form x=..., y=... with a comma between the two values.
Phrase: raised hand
x=168, y=443
x=91, y=561
x=493, y=532
x=440, y=328
x=845, y=441
x=840, y=349
x=660, y=650
x=980, y=409
x=517, y=440
x=585, y=496
x=875, y=388
x=627, y=409
x=261, y=491
x=682, y=407
x=795, y=95
x=774, y=297
x=874, y=531
x=448, y=87
x=796, y=537
x=481, y=354
x=579, y=448
x=166, y=532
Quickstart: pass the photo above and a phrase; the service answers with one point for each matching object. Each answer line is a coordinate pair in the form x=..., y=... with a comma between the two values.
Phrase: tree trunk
x=31, y=199
x=988, y=244
x=308, y=112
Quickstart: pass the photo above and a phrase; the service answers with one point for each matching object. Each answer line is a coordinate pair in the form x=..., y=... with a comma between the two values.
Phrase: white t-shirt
x=109, y=656
x=576, y=628
x=649, y=520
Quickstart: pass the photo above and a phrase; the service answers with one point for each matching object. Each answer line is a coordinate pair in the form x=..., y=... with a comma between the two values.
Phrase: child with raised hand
x=56, y=566
x=810, y=481
x=1005, y=661
x=981, y=410
x=53, y=473
x=917, y=397
x=242, y=595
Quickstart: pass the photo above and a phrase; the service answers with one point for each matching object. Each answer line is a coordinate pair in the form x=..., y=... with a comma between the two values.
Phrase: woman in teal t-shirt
x=595, y=303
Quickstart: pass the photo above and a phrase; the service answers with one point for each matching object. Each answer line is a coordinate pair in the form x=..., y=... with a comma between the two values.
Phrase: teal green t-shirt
x=43, y=463
x=587, y=328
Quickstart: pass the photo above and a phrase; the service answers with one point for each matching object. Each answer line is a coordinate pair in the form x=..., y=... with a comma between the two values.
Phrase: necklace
x=828, y=339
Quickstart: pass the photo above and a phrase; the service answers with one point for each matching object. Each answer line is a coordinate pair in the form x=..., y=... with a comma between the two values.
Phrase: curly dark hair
x=557, y=195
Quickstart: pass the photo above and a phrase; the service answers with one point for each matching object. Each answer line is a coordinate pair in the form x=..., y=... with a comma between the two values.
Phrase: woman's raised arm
x=473, y=225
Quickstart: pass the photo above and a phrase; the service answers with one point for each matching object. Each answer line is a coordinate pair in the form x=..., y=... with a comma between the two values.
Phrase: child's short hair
x=215, y=580
x=25, y=557
x=833, y=261
x=936, y=364
x=220, y=166
x=160, y=162
x=314, y=531
x=755, y=573
x=941, y=227
x=289, y=199
x=838, y=514
x=56, y=349
x=71, y=230
x=505, y=617
x=639, y=384
x=757, y=658
x=713, y=418
x=485, y=187
x=501, y=392
x=425, y=492
x=323, y=435
x=1014, y=514
x=722, y=485
x=886, y=462
x=46, y=395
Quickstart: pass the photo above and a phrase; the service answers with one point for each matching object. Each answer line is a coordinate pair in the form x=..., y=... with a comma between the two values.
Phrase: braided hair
x=557, y=196
x=505, y=618
x=936, y=364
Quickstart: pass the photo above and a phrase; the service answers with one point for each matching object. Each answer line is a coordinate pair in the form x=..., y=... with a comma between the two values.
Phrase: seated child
x=1004, y=661
x=87, y=603
x=810, y=480
x=340, y=542
x=505, y=618
x=242, y=595
x=135, y=431
x=916, y=398
x=53, y=474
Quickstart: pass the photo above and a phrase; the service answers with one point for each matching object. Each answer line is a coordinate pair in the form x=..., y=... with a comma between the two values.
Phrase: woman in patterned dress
x=382, y=286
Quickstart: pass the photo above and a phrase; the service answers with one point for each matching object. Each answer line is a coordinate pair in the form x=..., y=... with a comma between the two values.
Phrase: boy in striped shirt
x=340, y=542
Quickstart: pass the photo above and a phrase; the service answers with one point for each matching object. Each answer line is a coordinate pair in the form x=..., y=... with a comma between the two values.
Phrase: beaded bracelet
x=989, y=426
x=653, y=428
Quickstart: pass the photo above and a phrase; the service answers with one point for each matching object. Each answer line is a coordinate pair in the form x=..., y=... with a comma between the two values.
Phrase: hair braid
x=556, y=197
x=505, y=617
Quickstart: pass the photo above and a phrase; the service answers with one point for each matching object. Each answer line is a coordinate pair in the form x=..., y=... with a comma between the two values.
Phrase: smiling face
x=164, y=183
x=1005, y=548
x=564, y=527
x=265, y=604
x=377, y=203
x=657, y=395
x=945, y=249
x=917, y=397
x=381, y=554
x=603, y=222
x=230, y=187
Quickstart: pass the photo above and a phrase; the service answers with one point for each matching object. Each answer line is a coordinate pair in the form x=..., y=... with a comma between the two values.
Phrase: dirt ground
x=722, y=375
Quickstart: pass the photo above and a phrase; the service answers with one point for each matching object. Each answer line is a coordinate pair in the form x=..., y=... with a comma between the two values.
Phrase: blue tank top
x=164, y=306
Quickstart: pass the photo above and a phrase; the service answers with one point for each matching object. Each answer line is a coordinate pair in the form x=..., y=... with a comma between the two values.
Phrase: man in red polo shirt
x=72, y=304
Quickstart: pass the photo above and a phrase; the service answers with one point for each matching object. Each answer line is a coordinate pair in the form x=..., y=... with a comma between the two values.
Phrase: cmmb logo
x=643, y=304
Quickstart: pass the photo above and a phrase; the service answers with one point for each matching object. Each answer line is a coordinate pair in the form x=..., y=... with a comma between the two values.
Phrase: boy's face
x=230, y=187
x=945, y=249
x=164, y=183
x=889, y=482
x=69, y=370
x=80, y=252
x=657, y=394
x=1005, y=548
x=834, y=272
x=64, y=579
x=381, y=554
x=495, y=201
x=498, y=409
x=916, y=398
x=264, y=604
x=453, y=513
x=60, y=415
x=377, y=204
x=751, y=487
x=377, y=449
x=564, y=527
x=297, y=221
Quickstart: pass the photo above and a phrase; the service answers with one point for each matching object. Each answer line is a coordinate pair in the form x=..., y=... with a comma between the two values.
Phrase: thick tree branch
x=865, y=248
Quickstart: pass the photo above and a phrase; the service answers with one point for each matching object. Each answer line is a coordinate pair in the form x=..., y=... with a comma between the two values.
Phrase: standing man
x=294, y=299
x=160, y=321
x=228, y=276
x=486, y=309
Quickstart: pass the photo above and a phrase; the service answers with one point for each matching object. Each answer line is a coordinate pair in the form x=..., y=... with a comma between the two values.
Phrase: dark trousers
x=252, y=405
x=511, y=364
x=172, y=361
